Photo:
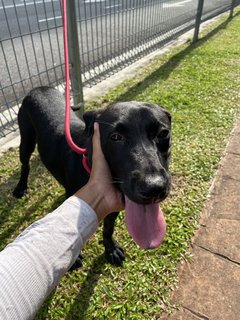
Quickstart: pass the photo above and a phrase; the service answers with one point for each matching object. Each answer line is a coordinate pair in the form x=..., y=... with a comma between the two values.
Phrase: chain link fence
x=111, y=34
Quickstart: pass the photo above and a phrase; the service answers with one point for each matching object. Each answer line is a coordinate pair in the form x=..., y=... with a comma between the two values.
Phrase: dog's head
x=136, y=141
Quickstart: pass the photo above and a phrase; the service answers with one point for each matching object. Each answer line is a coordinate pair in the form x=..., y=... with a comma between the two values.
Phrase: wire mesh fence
x=111, y=33
x=118, y=34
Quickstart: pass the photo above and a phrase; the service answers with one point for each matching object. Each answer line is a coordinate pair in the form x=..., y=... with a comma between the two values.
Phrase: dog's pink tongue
x=145, y=223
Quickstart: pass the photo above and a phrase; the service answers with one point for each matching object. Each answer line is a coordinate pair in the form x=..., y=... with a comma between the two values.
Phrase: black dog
x=135, y=139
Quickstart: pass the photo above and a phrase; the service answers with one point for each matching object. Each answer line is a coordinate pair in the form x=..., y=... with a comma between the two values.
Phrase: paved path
x=209, y=286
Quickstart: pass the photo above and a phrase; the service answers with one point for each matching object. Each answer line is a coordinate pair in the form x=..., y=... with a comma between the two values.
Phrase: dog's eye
x=116, y=137
x=164, y=140
x=164, y=134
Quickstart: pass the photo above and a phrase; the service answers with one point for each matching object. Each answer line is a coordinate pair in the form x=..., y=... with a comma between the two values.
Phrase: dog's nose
x=154, y=189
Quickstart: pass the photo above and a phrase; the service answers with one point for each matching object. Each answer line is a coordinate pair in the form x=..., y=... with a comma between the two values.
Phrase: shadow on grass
x=82, y=300
x=18, y=212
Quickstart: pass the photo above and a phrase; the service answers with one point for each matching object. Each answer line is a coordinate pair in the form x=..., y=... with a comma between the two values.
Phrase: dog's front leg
x=77, y=264
x=113, y=252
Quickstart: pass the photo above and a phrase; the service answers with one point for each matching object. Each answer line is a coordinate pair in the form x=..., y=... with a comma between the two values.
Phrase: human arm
x=32, y=265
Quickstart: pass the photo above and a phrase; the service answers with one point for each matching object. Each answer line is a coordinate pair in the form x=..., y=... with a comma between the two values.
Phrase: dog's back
x=45, y=109
x=41, y=121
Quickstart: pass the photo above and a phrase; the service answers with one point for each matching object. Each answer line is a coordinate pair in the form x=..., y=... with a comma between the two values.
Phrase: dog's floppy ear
x=89, y=118
x=168, y=114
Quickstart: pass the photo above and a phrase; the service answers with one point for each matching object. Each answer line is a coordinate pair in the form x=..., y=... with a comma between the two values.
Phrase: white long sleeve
x=32, y=265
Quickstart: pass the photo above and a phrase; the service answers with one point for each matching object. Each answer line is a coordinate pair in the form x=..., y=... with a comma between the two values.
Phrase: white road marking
x=177, y=4
x=93, y=1
x=114, y=6
x=26, y=4
x=49, y=19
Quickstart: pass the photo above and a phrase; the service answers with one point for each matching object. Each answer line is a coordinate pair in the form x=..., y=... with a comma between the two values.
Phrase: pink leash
x=70, y=142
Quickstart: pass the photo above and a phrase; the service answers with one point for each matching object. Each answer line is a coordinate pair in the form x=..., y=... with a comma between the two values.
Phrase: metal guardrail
x=110, y=35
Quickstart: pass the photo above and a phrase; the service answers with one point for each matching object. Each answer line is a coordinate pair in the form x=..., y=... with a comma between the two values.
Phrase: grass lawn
x=200, y=85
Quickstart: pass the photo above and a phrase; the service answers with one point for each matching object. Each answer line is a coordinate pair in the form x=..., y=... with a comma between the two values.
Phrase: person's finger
x=97, y=150
x=99, y=162
x=96, y=140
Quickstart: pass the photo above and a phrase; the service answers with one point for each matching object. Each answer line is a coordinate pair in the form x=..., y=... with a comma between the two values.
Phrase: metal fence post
x=232, y=8
x=198, y=20
x=74, y=57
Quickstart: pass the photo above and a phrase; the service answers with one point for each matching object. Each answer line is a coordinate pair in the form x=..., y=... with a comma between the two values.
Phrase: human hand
x=100, y=192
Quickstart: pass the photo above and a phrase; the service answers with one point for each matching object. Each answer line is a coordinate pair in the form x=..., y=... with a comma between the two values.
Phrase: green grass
x=199, y=84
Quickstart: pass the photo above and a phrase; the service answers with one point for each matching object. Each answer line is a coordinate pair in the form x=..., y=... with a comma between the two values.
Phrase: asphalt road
x=31, y=35
x=33, y=16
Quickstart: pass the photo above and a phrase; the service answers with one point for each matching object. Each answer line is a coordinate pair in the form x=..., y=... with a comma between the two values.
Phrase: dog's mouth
x=145, y=223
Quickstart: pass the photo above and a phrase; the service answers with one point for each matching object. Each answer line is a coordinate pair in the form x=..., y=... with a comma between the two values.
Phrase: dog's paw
x=19, y=192
x=77, y=264
x=114, y=253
